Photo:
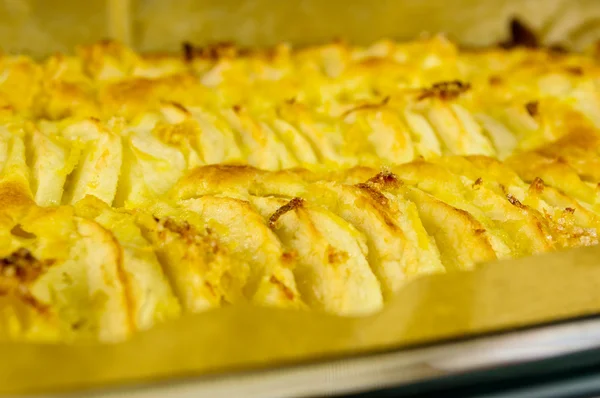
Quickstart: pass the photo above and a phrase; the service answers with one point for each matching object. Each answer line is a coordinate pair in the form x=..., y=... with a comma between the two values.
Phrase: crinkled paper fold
x=497, y=296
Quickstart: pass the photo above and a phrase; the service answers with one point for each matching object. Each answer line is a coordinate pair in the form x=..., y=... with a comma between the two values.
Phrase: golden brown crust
x=14, y=197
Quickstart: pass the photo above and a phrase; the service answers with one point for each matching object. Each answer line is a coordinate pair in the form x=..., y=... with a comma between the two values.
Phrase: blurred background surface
x=41, y=27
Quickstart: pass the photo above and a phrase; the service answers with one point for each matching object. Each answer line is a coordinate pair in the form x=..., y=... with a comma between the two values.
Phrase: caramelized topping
x=335, y=256
x=495, y=80
x=445, y=90
x=23, y=266
x=288, y=293
x=188, y=51
x=515, y=202
x=574, y=70
x=373, y=193
x=18, y=230
x=385, y=179
x=212, y=52
x=190, y=234
x=520, y=36
x=367, y=106
x=537, y=185
x=289, y=206
x=532, y=108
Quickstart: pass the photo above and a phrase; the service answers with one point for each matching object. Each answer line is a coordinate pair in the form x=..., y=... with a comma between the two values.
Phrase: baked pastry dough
x=135, y=188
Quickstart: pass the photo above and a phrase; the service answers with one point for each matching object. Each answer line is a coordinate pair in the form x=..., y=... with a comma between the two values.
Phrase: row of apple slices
x=341, y=242
x=355, y=237
x=130, y=163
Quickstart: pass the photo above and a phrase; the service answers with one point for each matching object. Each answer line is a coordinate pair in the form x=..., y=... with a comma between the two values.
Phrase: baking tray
x=476, y=366
x=500, y=296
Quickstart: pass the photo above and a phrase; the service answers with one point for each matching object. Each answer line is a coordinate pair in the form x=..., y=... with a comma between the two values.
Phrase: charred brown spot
x=537, y=185
x=289, y=206
x=390, y=222
x=288, y=258
x=558, y=49
x=106, y=42
x=183, y=228
x=23, y=266
x=247, y=52
x=210, y=288
x=477, y=182
x=233, y=169
x=515, y=202
x=289, y=294
x=335, y=256
x=237, y=108
x=290, y=101
x=385, y=179
x=212, y=52
x=179, y=107
x=190, y=235
x=271, y=54
x=479, y=231
x=520, y=36
x=18, y=230
x=78, y=324
x=373, y=193
x=363, y=107
x=532, y=108
x=463, y=213
x=569, y=210
x=495, y=80
x=574, y=70
x=22, y=293
x=445, y=90
x=503, y=188
x=188, y=51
